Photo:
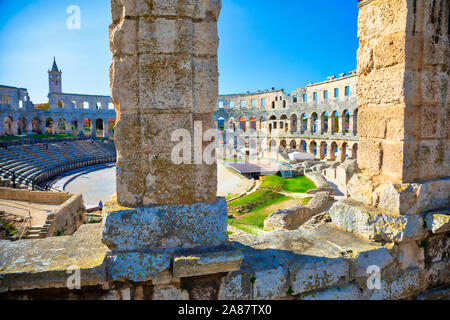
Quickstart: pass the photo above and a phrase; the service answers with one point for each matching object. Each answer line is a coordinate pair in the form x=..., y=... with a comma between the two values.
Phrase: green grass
x=255, y=201
x=231, y=160
x=231, y=196
x=9, y=228
x=251, y=210
x=38, y=136
x=293, y=185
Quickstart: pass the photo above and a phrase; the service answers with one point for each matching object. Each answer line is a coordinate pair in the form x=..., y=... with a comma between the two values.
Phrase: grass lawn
x=231, y=160
x=293, y=185
x=38, y=136
x=251, y=210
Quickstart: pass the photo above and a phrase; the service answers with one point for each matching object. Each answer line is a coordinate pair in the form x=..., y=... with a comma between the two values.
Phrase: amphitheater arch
x=221, y=123
x=304, y=125
x=49, y=126
x=87, y=126
x=343, y=152
x=354, y=150
x=314, y=119
x=313, y=147
x=322, y=150
x=272, y=123
x=304, y=146
x=37, y=125
x=333, y=151
x=8, y=125
x=334, y=123
x=345, y=121
x=100, y=126
x=243, y=124
x=253, y=123
x=294, y=123
x=62, y=124
x=293, y=145
x=324, y=122
x=262, y=121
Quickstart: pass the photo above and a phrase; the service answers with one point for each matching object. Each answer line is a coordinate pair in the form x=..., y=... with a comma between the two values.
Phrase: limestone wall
x=34, y=196
x=403, y=92
x=67, y=218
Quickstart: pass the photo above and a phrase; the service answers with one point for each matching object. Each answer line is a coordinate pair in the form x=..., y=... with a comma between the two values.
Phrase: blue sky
x=284, y=44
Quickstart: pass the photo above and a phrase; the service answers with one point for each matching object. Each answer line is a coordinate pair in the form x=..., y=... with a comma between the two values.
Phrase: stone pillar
x=321, y=125
x=402, y=127
x=342, y=124
x=342, y=154
x=331, y=155
x=55, y=126
x=80, y=125
x=403, y=104
x=105, y=129
x=322, y=151
x=43, y=126
x=164, y=82
x=29, y=126
x=93, y=128
x=310, y=129
x=353, y=124
x=69, y=127
x=331, y=125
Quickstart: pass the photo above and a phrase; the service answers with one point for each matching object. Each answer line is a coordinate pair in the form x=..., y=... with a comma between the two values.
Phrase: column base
x=165, y=227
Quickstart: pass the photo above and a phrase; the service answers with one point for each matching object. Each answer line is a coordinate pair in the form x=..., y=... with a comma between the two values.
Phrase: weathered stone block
x=372, y=223
x=165, y=36
x=207, y=263
x=165, y=83
x=175, y=226
x=236, y=286
x=411, y=256
x=436, y=294
x=124, y=81
x=123, y=37
x=382, y=258
x=408, y=284
x=270, y=284
x=317, y=273
x=138, y=267
x=437, y=248
x=438, y=274
x=347, y=292
x=187, y=8
x=438, y=222
x=345, y=171
x=167, y=292
x=290, y=219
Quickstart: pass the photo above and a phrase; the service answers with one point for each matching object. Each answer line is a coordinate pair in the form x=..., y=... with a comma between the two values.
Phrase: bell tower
x=55, y=79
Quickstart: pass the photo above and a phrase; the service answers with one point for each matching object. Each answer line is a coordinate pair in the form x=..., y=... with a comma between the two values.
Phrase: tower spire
x=55, y=66
x=55, y=78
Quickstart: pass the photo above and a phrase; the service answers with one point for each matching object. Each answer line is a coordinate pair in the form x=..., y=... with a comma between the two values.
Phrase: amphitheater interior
x=32, y=166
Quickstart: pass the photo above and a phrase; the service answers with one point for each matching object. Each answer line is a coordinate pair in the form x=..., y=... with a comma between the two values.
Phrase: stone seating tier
x=34, y=163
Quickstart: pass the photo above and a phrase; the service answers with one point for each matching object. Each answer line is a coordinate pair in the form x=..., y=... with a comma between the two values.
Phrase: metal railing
x=14, y=179
x=69, y=166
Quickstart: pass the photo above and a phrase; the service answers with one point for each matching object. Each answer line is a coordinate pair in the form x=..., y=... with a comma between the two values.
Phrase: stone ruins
x=164, y=235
